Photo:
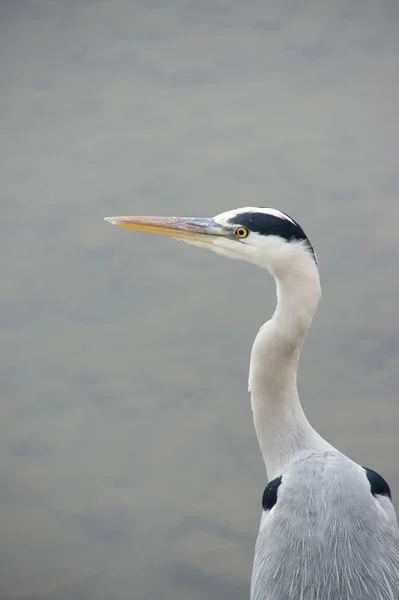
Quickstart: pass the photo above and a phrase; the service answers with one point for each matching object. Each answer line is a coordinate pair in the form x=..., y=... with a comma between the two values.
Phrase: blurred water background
x=129, y=465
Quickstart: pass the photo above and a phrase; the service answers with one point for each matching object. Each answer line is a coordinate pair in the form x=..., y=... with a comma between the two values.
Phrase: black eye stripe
x=267, y=224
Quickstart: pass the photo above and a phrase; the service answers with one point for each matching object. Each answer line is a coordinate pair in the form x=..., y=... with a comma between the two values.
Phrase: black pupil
x=241, y=232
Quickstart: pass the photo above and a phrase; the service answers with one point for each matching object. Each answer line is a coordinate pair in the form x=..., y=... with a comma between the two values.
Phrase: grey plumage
x=327, y=537
x=329, y=531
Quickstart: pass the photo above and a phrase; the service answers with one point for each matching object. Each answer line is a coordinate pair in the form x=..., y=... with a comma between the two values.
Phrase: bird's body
x=327, y=537
x=328, y=528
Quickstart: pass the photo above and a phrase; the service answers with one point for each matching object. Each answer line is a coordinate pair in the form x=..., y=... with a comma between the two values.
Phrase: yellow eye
x=241, y=232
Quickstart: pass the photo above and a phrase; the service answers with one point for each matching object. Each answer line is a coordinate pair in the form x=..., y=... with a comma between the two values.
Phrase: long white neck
x=280, y=423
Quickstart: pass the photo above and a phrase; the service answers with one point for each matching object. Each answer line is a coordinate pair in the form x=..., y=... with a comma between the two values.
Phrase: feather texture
x=327, y=537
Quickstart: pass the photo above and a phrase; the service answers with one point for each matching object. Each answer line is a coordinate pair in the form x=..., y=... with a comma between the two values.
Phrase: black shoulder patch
x=267, y=224
x=269, y=497
x=378, y=485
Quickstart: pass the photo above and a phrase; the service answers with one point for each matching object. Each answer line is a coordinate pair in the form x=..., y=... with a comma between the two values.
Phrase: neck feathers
x=280, y=422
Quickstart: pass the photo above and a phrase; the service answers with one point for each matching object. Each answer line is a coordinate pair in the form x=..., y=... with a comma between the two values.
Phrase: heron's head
x=264, y=236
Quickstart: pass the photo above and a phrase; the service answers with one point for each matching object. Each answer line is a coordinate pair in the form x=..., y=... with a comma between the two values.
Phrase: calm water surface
x=129, y=466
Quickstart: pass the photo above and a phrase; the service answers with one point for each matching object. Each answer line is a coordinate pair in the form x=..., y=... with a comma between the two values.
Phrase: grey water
x=129, y=464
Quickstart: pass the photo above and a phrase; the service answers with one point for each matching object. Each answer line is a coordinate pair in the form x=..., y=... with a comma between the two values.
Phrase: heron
x=328, y=528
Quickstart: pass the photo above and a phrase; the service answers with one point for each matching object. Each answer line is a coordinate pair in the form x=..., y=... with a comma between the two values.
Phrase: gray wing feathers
x=327, y=537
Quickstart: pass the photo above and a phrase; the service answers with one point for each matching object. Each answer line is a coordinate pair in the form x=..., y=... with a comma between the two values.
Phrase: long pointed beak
x=177, y=227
